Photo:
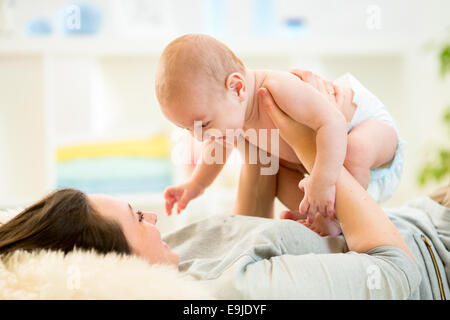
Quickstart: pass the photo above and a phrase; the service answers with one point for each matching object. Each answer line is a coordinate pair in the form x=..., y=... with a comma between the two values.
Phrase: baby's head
x=200, y=79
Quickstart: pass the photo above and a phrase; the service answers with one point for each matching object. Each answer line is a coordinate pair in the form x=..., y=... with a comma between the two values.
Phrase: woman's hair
x=63, y=220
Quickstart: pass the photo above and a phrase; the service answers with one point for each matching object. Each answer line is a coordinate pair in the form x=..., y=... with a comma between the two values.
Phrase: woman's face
x=143, y=236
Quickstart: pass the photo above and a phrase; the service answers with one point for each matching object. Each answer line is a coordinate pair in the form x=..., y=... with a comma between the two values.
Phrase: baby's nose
x=197, y=136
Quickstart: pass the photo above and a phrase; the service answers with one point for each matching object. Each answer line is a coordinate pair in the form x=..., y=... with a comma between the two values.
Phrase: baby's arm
x=210, y=164
x=308, y=106
x=203, y=176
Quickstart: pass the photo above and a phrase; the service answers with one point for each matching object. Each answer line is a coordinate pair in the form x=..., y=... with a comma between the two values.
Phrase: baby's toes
x=306, y=223
x=291, y=215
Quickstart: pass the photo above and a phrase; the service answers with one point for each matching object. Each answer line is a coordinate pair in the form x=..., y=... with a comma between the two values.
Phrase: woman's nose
x=150, y=217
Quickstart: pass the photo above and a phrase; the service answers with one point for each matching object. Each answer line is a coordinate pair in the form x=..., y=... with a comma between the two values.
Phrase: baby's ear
x=236, y=83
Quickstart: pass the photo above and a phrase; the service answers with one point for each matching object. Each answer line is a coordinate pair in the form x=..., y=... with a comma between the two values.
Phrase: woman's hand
x=297, y=135
x=331, y=91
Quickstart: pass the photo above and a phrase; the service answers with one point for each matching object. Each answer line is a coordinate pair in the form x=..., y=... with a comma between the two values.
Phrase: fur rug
x=88, y=275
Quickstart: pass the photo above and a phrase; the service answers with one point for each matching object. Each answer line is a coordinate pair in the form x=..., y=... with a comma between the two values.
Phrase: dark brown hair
x=63, y=220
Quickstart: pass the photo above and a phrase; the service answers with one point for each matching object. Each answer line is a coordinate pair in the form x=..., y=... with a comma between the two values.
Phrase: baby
x=200, y=81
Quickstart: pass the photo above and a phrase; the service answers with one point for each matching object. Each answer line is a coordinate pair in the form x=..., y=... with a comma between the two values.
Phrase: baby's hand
x=317, y=199
x=181, y=194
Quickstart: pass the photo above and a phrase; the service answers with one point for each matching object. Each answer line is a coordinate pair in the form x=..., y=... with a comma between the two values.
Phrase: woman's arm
x=382, y=273
x=316, y=112
x=363, y=223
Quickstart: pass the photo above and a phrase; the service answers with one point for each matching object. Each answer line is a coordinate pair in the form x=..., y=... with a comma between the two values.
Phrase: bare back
x=287, y=155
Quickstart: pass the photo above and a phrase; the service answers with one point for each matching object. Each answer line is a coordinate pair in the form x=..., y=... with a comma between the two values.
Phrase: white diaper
x=384, y=181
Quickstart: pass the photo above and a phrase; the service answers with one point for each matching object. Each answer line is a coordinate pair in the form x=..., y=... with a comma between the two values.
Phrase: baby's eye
x=206, y=124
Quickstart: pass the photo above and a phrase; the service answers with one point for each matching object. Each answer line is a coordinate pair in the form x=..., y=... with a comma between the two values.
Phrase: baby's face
x=206, y=114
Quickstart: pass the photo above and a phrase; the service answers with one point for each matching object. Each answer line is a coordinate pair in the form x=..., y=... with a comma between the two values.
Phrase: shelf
x=325, y=46
x=78, y=46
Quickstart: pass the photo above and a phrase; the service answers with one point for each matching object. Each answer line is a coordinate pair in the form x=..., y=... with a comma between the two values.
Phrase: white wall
x=26, y=167
x=67, y=91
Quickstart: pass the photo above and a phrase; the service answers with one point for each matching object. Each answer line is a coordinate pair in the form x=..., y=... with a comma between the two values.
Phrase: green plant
x=444, y=57
x=438, y=168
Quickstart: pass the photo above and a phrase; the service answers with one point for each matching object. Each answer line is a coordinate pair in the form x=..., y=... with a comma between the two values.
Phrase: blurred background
x=77, y=102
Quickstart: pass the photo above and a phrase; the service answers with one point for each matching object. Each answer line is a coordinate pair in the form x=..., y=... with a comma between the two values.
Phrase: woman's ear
x=236, y=83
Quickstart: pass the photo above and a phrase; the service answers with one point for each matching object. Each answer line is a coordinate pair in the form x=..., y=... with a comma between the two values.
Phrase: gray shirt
x=241, y=257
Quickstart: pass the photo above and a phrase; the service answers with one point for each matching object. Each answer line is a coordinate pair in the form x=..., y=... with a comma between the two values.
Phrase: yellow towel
x=155, y=147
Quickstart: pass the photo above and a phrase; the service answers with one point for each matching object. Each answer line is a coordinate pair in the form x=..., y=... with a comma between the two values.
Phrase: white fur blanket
x=88, y=275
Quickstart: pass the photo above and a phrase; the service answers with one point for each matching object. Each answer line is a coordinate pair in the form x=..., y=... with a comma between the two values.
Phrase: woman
x=69, y=219
x=257, y=258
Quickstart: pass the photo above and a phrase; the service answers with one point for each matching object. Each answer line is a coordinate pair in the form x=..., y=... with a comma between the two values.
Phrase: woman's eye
x=140, y=215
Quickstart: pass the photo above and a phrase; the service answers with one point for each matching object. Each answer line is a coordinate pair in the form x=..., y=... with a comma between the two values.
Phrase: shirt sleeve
x=381, y=273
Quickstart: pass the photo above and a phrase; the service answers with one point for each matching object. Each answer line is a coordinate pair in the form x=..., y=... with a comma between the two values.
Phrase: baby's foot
x=322, y=226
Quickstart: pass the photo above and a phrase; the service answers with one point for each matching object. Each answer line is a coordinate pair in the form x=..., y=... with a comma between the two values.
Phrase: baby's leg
x=287, y=190
x=371, y=144
x=256, y=192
